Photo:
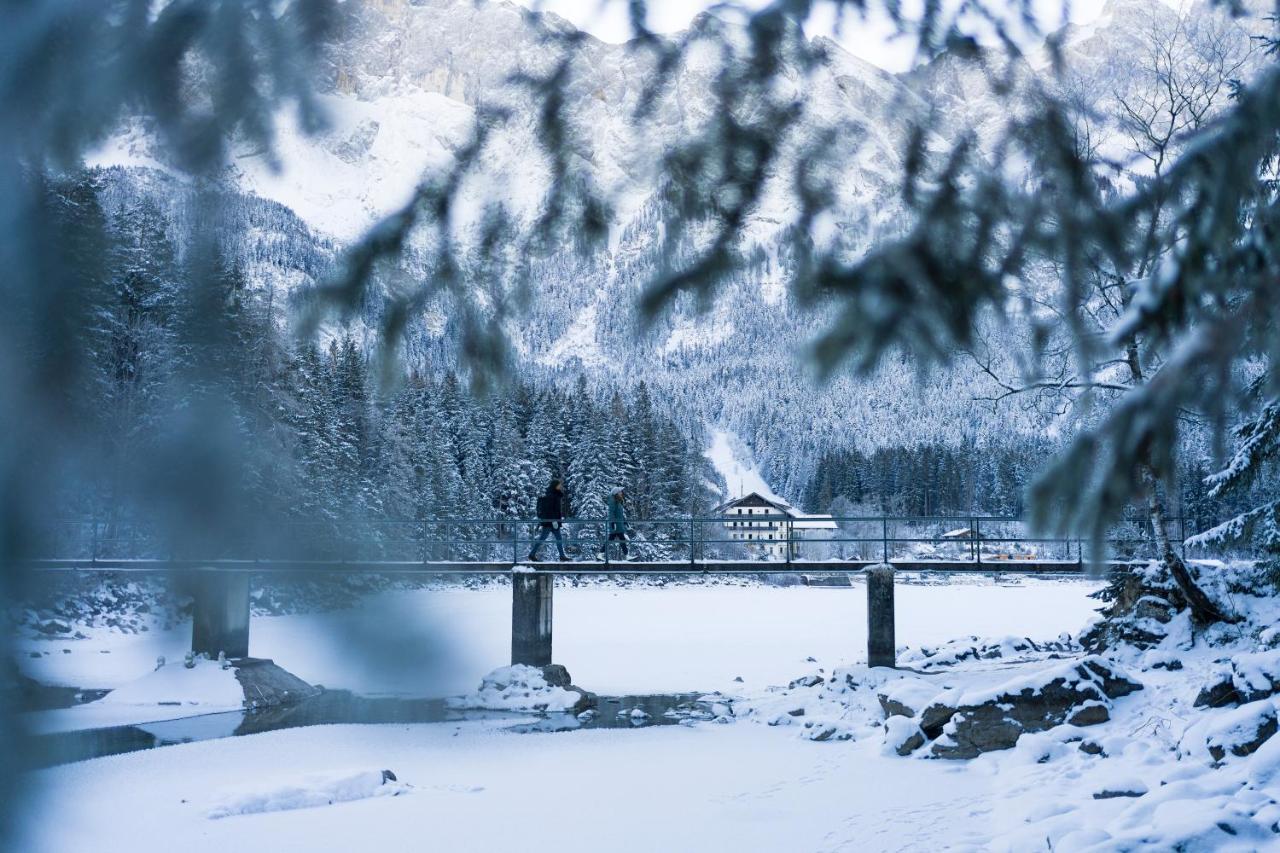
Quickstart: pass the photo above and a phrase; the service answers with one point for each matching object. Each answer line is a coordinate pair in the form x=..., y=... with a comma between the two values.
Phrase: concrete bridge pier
x=881, y=643
x=531, y=618
x=221, y=619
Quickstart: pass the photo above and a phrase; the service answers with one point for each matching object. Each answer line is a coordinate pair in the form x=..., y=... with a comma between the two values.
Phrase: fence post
x=884, y=537
x=972, y=540
x=220, y=622
x=691, y=559
x=881, y=644
x=977, y=540
x=531, y=618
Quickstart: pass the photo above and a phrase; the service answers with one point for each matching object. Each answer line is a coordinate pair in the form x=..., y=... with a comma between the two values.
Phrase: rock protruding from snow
x=967, y=724
x=266, y=685
x=970, y=649
x=309, y=792
x=1239, y=731
x=906, y=697
x=527, y=689
x=1244, y=678
x=903, y=735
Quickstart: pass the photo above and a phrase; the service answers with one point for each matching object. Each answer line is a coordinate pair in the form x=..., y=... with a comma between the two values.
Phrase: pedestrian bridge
x=876, y=547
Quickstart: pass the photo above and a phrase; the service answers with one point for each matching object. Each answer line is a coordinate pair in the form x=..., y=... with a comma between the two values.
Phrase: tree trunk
x=1204, y=611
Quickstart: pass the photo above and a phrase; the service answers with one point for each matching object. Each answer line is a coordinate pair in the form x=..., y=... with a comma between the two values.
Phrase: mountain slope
x=406, y=81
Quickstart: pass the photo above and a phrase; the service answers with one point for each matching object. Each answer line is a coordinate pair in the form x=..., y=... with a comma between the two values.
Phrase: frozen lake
x=614, y=640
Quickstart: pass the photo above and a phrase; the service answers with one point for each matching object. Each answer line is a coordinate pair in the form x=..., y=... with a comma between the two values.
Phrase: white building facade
x=768, y=527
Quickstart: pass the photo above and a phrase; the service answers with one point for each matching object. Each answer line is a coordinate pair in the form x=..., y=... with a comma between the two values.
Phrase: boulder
x=822, y=732
x=1242, y=730
x=905, y=696
x=556, y=675
x=1113, y=683
x=1256, y=675
x=1155, y=608
x=975, y=730
x=266, y=685
x=934, y=718
x=1244, y=678
x=1219, y=692
x=1091, y=714
x=902, y=735
x=928, y=658
x=894, y=708
x=1078, y=693
x=1108, y=793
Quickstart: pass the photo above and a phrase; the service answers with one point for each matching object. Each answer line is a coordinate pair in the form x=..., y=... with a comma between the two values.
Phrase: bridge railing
x=763, y=538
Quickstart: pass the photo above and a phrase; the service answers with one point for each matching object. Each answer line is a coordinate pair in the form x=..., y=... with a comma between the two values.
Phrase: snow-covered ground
x=171, y=692
x=799, y=758
x=614, y=640
x=706, y=788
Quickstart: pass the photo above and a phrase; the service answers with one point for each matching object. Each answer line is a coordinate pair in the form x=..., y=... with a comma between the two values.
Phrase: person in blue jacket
x=618, y=521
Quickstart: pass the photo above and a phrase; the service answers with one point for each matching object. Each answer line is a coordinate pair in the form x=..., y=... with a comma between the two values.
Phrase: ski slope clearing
x=732, y=461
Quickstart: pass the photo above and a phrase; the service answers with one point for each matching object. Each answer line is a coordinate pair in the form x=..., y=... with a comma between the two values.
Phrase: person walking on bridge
x=550, y=518
x=618, y=521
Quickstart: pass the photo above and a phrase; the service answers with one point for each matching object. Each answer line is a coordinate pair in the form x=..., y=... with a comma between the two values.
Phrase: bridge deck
x=671, y=567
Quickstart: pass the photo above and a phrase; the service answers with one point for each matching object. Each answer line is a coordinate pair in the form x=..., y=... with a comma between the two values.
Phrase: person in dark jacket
x=618, y=521
x=550, y=517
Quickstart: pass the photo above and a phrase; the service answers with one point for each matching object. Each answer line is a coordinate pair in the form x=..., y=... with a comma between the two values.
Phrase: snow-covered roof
x=754, y=499
x=805, y=521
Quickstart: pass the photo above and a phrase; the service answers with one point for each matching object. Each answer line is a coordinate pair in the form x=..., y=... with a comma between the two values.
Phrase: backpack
x=545, y=510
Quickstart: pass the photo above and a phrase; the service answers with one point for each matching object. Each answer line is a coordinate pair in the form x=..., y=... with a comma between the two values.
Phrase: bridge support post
x=531, y=618
x=881, y=645
x=221, y=619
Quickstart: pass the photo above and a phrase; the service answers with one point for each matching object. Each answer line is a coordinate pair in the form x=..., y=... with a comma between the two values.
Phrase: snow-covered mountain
x=406, y=79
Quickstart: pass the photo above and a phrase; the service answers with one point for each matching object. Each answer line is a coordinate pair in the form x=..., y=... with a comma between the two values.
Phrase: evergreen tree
x=1257, y=453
